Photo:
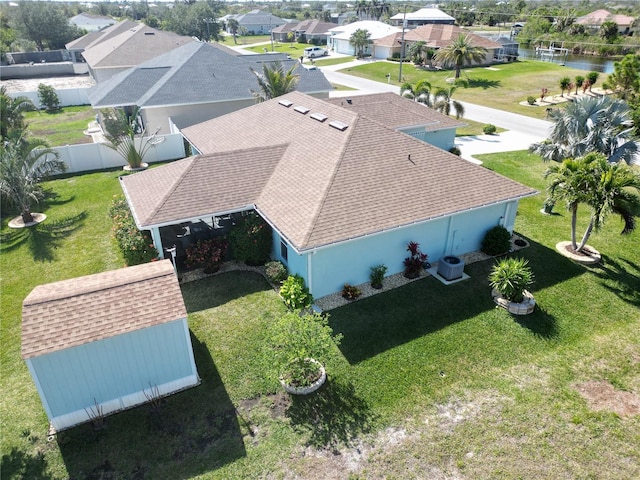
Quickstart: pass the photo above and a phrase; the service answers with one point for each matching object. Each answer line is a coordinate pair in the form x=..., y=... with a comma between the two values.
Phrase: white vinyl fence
x=96, y=156
x=67, y=96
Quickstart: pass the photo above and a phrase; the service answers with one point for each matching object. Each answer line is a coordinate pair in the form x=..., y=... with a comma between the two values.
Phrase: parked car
x=313, y=52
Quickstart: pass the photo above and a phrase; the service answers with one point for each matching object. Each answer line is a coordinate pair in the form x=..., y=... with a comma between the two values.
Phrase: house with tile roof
x=423, y=16
x=341, y=190
x=102, y=343
x=594, y=20
x=340, y=36
x=195, y=82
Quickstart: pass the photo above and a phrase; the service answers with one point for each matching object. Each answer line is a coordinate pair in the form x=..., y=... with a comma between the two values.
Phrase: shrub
x=510, y=277
x=136, y=245
x=208, y=254
x=377, y=275
x=295, y=294
x=276, y=272
x=350, y=292
x=48, y=97
x=455, y=151
x=489, y=129
x=497, y=241
x=414, y=263
x=250, y=240
x=531, y=100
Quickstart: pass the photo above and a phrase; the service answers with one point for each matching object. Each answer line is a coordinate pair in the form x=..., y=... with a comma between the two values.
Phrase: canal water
x=581, y=62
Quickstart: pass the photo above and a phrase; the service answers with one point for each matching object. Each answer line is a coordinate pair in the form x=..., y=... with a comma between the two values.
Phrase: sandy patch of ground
x=603, y=396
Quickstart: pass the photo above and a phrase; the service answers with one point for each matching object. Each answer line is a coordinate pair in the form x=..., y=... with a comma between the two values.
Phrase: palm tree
x=120, y=127
x=420, y=92
x=378, y=8
x=11, y=112
x=564, y=85
x=461, y=51
x=360, y=40
x=362, y=9
x=604, y=186
x=417, y=52
x=443, y=101
x=579, y=82
x=233, y=26
x=23, y=165
x=274, y=81
x=589, y=124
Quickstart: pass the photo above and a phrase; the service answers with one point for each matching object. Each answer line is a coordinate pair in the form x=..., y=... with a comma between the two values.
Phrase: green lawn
x=244, y=39
x=500, y=86
x=63, y=127
x=428, y=378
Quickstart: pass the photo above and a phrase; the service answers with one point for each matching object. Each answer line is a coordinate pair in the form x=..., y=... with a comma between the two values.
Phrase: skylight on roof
x=301, y=109
x=286, y=103
x=337, y=124
x=321, y=117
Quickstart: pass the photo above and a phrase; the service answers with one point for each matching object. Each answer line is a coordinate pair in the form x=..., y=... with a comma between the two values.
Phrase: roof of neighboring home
x=598, y=17
x=196, y=73
x=424, y=14
x=258, y=17
x=132, y=47
x=321, y=177
x=94, y=19
x=74, y=312
x=308, y=27
x=376, y=29
x=398, y=112
x=94, y=38
x=439, y=36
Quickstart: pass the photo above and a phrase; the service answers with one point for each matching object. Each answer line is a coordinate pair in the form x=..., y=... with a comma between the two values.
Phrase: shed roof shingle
x=69, y=313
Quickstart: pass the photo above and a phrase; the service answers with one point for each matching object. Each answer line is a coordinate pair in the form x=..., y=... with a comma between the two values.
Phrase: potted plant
x=377, y=275
x=414, y=263
x=207, y=254
x=298, y=347
x=509, y=279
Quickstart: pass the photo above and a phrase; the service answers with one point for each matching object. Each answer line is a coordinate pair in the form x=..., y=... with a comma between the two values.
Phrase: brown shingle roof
x=397, y=112
x=81, y=310
x=328, y=185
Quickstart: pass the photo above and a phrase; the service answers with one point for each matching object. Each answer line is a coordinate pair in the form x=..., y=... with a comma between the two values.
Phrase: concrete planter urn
x=129, y=168
x=525, y=307
x=306, y=390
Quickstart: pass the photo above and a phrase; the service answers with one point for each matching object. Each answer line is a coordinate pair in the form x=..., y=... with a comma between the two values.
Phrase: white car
x=313, y=52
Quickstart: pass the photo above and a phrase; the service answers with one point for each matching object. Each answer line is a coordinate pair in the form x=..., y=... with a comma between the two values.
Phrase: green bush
x=489, y=129
x=295, y=294
x=136, y=245
x=510, y=277
x=48, y=97
x=350, y=292
x=377, y=275
x=276, y=272
x=497, y=241
x=455, y=151
x=251, y=240
x=531, y=100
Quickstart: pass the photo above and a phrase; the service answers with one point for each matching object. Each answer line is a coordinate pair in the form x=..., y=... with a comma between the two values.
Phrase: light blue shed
x=102, y=343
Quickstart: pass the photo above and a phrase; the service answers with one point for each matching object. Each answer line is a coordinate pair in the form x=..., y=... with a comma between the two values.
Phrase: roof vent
x=286, y=103
x=301, y=109
x=149, y=33
x=339, y=125
x=321, y=117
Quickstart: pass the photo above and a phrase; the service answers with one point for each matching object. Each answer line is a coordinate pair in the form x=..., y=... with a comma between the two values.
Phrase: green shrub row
x=136, y=245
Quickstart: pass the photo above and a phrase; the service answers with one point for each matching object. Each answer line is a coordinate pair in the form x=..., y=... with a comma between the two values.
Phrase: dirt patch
x=602, y=396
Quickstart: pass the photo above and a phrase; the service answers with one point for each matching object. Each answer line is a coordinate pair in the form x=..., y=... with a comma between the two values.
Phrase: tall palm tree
x=23, y=165
x=11, y=112
x=378, y=8
x=362, y=9
x=443, y=101
x=420, y=92
x=461, y=51
x=604, y=186
x=360, y=40
x=589, y=124
x=274, y=81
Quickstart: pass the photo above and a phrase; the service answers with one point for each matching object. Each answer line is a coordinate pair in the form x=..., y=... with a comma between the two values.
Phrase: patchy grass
x=62, y=127
x=501, y=86
x=428, y=378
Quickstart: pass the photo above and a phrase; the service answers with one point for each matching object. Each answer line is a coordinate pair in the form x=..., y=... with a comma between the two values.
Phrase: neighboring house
x=424, y=16
x=77, y=46
x=128, y=49
x=195, y=82
x=406, y=116
x=306, y=31
x=343, y=18
x=594, y=20
x=436, y=37
x=91, y=23
x=102, y=343
x=339, y=39
x=342, y=191
x=257, y=22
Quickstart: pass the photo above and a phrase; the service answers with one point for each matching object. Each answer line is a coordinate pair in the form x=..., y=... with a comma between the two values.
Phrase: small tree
x=250, y=240
x=564, y=85
x=511, y=277
x=592, y=78
x=12, y=112
x=578, y=83
x=360, y=40
x=48, y=97
x=420, y=92
x=274, y=81
x=443, y=100
x=120, y=128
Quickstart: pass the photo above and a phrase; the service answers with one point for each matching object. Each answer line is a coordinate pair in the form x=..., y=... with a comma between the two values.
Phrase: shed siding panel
x=73, y=379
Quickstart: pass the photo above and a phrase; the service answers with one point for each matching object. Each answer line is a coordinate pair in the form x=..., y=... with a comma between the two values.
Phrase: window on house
x=283, y=251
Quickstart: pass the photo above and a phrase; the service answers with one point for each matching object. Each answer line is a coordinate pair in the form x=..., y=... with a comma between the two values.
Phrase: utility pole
x=208, y=21
x=404, y=24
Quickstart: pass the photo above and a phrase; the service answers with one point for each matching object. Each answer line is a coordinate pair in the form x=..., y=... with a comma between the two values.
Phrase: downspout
x=309, y=270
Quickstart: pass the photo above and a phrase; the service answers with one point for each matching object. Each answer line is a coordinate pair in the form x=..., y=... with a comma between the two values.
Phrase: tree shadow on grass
x=42, y=239
x=19, y=464
x=332, y=416
x=189, y=434
x=540, y=323
x=621, y=277
x=484, y=83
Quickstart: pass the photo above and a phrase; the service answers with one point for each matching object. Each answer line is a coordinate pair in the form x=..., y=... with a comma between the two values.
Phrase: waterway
x=581, y=62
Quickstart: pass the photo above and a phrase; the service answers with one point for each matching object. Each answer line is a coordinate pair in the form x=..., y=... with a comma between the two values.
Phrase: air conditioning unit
x=450, y=267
